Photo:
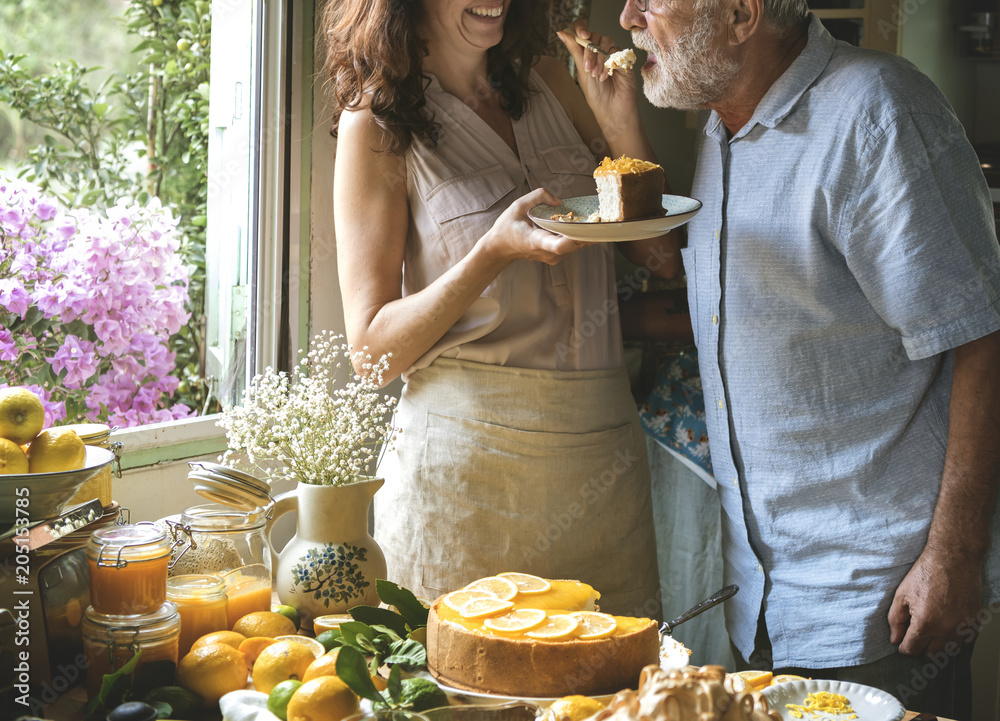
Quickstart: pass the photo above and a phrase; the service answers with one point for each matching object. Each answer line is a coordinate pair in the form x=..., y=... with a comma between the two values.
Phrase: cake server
x=714, y=600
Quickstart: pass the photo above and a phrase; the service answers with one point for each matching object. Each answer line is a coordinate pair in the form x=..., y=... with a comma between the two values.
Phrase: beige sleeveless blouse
x=561, y=317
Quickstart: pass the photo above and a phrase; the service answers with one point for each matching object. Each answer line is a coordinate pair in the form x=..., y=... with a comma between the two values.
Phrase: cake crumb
x=621, y=60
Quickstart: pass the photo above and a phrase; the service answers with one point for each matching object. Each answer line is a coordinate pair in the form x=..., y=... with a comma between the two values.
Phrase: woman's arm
x=614, y=134
x=371, y=219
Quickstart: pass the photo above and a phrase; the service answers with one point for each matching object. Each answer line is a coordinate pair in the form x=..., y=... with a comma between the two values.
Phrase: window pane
x=108, y=221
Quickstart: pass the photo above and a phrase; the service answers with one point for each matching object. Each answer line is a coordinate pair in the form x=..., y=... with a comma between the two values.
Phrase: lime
x=290, y=613
x=277, y=700
x=329, y=639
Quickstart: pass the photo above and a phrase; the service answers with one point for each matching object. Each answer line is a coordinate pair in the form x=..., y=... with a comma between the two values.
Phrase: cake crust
x=628, y=189
x=534, y=668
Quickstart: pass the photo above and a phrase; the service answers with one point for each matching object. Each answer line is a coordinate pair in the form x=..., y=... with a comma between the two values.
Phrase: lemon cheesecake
x=628, y=189
x=519, y=635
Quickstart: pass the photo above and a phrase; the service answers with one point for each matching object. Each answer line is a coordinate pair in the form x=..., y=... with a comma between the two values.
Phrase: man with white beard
x=844, y=286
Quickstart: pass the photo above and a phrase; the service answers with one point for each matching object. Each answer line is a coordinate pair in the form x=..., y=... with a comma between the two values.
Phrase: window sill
x=158, y=443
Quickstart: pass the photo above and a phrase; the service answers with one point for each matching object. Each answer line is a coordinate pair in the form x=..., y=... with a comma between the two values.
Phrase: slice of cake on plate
x=628, y=189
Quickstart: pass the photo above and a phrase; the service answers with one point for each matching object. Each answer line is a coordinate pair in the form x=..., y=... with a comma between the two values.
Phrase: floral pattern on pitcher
x=331, y=573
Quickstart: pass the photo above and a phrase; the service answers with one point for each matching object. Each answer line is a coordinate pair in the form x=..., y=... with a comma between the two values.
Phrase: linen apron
x=512, y=469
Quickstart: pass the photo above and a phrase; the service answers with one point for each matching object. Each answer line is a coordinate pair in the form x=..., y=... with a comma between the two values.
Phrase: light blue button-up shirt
x=846, y=245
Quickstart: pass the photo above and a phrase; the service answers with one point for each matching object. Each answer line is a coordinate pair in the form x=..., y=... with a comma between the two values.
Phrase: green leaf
x=115, y=685
x=152, y=675
x=373, y=615
x=407, y=654
x=354, y=630
x=394, y=686
x=163, y=709
x=353, y=670
x=100, y=109
x=183, y=703
x=404, y=601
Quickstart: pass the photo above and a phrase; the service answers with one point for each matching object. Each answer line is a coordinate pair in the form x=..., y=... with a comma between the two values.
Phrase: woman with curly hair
x=520, y=447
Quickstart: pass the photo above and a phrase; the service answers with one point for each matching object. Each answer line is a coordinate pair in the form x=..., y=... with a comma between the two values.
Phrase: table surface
x=70, y=707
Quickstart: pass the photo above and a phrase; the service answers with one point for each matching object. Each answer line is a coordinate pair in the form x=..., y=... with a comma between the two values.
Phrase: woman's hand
x=611, y=98
x=514, y=237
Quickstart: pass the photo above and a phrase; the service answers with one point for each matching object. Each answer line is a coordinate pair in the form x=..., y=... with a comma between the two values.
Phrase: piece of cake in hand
x=621, y=60
x=628, y=189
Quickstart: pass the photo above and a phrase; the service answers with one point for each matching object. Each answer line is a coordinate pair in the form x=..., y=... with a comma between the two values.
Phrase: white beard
x=691, y=74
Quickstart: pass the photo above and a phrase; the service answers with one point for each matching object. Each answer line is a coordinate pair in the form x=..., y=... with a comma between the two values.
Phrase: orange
x=212, y=671
x=325, y=665
x=326, y=698
x=281, y=661
x=252, y=647
x=751, y=680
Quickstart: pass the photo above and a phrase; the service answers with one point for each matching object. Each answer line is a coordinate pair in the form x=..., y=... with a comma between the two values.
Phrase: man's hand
x=936, y=600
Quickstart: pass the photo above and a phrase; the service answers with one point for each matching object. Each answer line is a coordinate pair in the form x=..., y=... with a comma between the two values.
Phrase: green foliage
x=134, y=135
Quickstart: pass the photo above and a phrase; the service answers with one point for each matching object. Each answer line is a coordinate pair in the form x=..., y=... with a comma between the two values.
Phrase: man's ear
x=743, y=18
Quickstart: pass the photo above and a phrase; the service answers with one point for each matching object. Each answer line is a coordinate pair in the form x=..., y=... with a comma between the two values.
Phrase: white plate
x=460, y=696
x=869, y=703
x=679, y=210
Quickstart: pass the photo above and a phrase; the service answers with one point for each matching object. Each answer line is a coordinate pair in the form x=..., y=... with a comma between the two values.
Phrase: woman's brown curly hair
x=375, y=56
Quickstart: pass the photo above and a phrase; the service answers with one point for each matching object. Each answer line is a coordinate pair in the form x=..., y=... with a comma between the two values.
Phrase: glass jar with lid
x=99, y=486
x=201, y=601
x=128, y=568
x=110, y=641
x=220, y=539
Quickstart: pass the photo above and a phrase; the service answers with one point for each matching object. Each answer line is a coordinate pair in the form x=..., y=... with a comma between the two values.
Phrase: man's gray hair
x=780, y=14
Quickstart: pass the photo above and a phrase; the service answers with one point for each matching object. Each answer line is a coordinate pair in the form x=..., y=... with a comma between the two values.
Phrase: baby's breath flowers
x=304, y=428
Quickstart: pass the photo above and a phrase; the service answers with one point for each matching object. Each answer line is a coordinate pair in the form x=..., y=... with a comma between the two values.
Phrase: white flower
x=313, y=432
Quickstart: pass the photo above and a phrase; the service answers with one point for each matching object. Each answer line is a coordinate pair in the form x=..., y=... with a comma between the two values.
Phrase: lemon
x=560, y=625
x=751, y=680
x=22, y=415
x=519, y=620
x=573, y=708
x=289, y=613
x=227, y=637
x=325, y=665
x=482, y=607
x=526, y=583
x=503, y=588
x=311, y=643
x=279, y=662
x=264, y=623
x=323, y=699
x=593, y=624
x=277, y=700
x=212, y=671
x=785, y=677
x=456, y=599
x=55, y=450
x=12, y=458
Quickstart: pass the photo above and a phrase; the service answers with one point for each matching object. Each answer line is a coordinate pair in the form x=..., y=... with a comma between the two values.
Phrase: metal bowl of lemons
x=40, y=496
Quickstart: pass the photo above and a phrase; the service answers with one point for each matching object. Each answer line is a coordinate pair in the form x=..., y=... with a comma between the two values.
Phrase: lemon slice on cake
x=483, y=607
x=560, y=625
x=526, y=583
x=593, y=624
x=521, y=619
x=502, y=588
x=456, y=599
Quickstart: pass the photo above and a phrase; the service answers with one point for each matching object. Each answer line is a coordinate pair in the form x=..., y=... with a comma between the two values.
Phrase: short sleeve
x=920, y=237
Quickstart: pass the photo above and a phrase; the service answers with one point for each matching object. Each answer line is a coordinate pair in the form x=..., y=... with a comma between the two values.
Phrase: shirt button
x=736, y=481
x=721, y=404
x=760, y=568
x=715, y=319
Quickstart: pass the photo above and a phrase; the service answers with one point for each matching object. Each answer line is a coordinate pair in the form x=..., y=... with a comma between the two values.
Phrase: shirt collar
x=787, y=90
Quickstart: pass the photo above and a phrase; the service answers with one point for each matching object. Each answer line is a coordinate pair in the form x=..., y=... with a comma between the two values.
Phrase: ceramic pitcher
x=332, y=562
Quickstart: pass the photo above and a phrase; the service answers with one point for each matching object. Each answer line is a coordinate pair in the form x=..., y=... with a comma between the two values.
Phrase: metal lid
x=139, y=628
x=119, y=545
x=229, y=486
x=90, y=432
x=220, y=518
x=195, y=587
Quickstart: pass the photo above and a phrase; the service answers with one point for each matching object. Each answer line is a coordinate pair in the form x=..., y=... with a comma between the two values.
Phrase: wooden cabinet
x=866, y=23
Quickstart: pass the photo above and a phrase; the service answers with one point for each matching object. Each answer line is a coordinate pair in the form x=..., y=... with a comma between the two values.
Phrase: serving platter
x=679, y=210
x=870, y=704
x=478, y=698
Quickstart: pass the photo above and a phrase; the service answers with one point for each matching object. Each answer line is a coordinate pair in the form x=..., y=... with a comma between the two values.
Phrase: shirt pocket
x=570, y=170
x=688, y=255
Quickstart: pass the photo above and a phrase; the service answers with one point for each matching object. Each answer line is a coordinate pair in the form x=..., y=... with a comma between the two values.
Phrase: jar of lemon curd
x=128, y=569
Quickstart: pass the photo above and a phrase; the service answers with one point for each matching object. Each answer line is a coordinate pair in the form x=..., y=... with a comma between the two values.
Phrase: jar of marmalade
x=128, y=569
x=201, y=601
x=109, y=641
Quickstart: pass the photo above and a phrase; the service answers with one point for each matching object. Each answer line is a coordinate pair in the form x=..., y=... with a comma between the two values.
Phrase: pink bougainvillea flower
x=76, y=357
x=14, y=297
